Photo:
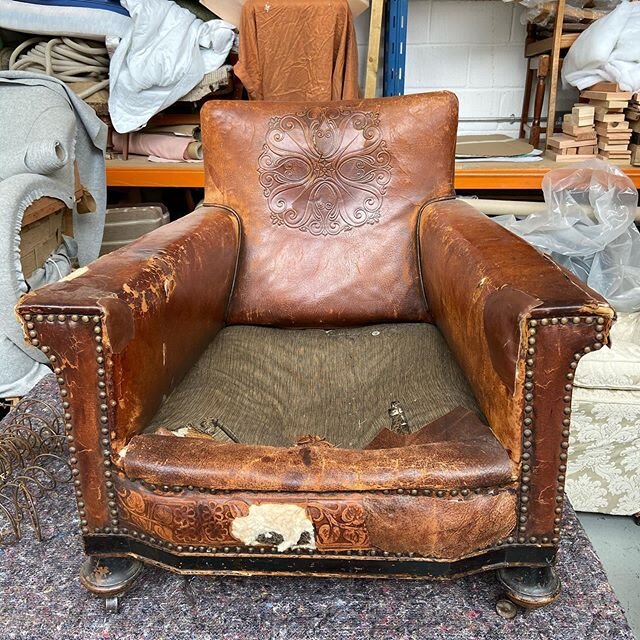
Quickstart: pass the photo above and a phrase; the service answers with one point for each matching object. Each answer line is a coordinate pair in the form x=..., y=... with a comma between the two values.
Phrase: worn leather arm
x=517, y=324
x=130, y=325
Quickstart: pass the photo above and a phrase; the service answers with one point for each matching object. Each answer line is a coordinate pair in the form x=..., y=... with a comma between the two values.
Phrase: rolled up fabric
x=194, y=150
x=45, y=156
x=41, y=157
x=160, y=145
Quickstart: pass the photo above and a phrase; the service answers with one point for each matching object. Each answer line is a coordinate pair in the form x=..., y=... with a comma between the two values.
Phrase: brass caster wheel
x=506, y=609
x=112, y=604
x=109, y=578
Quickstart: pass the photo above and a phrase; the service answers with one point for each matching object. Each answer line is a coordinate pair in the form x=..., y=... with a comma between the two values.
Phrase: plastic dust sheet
x=588, y=227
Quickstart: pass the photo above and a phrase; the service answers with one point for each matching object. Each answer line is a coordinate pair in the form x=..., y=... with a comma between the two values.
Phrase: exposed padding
x=271, y=386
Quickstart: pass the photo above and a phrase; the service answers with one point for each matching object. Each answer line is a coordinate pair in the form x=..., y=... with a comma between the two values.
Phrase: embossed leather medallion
x=325, y=170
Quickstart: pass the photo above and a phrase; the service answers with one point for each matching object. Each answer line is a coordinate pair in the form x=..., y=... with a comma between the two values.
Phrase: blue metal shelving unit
x=395, y=45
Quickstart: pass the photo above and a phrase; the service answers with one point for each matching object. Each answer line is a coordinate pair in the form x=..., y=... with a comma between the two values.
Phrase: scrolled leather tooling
x=325, y=170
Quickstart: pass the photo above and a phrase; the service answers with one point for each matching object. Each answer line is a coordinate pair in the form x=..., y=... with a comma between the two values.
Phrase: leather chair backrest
x=329, y=196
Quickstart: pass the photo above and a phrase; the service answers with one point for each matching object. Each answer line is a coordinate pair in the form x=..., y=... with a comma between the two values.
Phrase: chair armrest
x=123, y=331
x=517, y=324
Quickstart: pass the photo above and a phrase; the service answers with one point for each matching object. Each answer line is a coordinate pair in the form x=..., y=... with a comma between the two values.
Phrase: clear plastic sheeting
x=588, y=227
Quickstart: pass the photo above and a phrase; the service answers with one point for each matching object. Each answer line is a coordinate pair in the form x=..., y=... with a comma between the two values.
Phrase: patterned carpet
x=41, y=598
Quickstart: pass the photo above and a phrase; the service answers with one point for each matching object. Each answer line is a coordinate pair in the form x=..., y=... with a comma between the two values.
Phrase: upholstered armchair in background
x=333, y=367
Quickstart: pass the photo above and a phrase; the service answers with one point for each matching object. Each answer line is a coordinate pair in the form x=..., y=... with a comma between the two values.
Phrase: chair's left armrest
x=121, y=332
x=517, y=324
x=137, y=318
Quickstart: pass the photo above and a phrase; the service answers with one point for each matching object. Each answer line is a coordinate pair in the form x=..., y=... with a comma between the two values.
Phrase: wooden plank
x=545, y=46
x=579, y=133
x=611, y=105
x=614, y=154
x=582, y=115
x=613, y=137
x=605, y=128
x=604, y=86
x=602, y=115
x=559, y=157
x=562, y=141
x=554, y=69
x=373, y=52
x=613, y=147
x=42, y=208
x=607, y=95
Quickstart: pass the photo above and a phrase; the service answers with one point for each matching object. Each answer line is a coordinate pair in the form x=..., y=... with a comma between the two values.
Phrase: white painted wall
x=472, y=47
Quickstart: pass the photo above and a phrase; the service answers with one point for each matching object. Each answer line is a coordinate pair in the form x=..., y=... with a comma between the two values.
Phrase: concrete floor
x=616, y=540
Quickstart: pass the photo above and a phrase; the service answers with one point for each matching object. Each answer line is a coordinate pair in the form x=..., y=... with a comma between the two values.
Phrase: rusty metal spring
x=32, y=445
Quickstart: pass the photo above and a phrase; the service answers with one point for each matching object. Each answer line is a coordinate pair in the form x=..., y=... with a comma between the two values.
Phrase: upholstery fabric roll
x=45, y=156
x=298, y=50
x=160, y=145
x=42, y=157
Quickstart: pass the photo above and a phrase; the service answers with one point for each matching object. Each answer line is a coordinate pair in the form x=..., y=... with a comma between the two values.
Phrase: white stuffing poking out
x=286, y=525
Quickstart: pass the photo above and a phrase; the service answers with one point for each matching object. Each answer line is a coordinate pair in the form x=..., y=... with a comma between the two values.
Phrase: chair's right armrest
x=123, y=331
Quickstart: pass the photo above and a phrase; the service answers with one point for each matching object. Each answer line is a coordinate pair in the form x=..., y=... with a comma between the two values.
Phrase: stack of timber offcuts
x=614, y=133
x=632, y=113
x=578, y=138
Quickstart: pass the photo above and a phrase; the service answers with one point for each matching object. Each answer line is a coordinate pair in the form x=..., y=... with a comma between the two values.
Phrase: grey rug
x=41, y=598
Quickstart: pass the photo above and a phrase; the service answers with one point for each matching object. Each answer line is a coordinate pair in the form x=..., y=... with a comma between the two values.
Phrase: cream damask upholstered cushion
x=603, y=474
x=618, y=367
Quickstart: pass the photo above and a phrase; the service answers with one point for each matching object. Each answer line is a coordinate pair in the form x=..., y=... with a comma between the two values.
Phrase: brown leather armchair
x=333, y=367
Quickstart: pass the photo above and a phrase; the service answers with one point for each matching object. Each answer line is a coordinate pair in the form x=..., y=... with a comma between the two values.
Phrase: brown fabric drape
x=298, y=50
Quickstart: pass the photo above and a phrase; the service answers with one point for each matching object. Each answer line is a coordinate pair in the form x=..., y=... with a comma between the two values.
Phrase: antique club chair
x=332, y=367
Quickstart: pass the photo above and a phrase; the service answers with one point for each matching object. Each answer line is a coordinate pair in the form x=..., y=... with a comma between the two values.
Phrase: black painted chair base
x=530, y=587
x=109, y=577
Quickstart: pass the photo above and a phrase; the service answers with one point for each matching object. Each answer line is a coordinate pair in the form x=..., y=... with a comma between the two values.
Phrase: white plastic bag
x=589, y=228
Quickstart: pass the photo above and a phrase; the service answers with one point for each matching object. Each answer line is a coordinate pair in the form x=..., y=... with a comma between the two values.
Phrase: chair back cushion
x=328, y=196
